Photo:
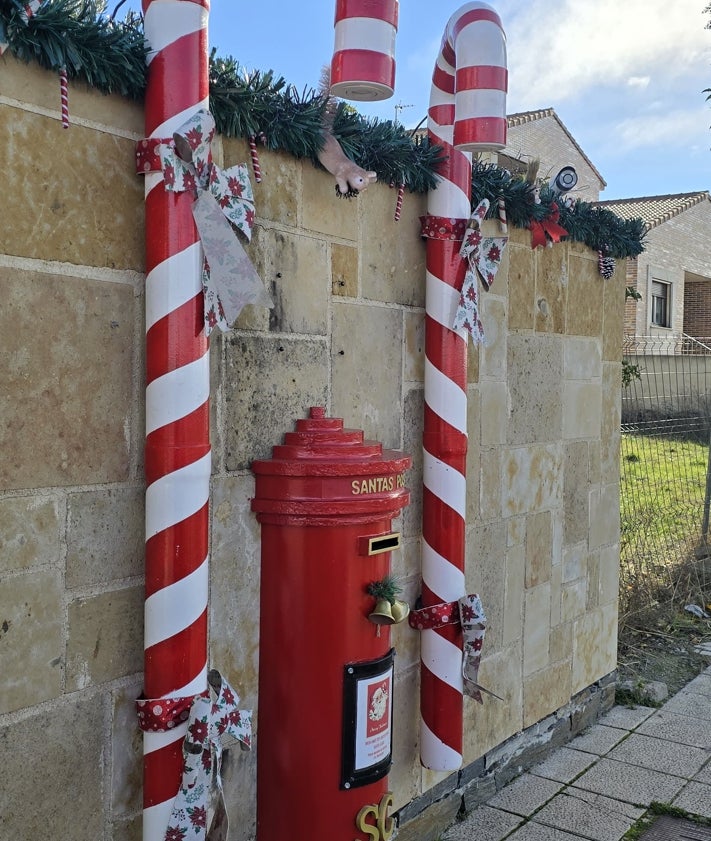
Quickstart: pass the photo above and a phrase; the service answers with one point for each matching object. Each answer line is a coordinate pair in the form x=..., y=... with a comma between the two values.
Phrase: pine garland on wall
x=110, y=55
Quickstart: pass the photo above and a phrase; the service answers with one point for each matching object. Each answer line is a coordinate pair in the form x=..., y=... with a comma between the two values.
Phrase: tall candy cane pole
x=467, y=112
x=177, y=409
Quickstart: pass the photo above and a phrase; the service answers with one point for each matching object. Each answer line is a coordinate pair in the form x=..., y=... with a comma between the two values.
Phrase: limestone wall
x=346, y=332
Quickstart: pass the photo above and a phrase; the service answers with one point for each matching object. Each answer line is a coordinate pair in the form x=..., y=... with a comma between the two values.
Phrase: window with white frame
x=661, y=304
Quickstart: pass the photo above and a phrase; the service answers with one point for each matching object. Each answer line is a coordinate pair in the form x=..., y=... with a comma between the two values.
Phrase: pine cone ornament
x=605, y=264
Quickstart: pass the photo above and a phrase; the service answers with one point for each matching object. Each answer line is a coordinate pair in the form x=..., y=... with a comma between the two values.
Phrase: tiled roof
x=654, y=210
x=524, y=117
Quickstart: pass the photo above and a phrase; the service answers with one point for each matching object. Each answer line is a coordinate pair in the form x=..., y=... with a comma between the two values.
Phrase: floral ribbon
x=469, y=613
x=209, y=715
x=483, y=256
x=547, y=231
x=230, y=281
x=442, y=227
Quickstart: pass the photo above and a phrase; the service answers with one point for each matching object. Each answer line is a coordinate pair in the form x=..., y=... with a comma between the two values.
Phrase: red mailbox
x=325, y=501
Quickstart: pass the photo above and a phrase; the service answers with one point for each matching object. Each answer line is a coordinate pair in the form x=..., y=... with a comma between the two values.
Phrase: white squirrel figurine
x=350, y=178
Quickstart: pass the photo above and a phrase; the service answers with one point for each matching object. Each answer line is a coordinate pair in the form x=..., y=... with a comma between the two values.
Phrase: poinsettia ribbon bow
x=547, y=231
x=469, y=613
x=230, y=281
x=209, y=716
x=483, y=256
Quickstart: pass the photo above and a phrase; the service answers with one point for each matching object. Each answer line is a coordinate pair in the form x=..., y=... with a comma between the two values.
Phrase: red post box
x=325, y=501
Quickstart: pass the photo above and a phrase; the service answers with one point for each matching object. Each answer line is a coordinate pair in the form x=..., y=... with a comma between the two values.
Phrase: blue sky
x=626, y=78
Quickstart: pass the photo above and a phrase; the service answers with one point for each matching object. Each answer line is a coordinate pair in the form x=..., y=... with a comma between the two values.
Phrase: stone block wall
x=346, y=332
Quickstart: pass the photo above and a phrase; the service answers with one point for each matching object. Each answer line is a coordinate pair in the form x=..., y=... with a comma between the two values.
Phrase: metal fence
x=665, y=473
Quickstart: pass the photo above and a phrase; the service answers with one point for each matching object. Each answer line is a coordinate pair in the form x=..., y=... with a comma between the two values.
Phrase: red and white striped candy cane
x=64, y=96
x=398, y=202
x=363, y=63
x=177, y=460
x=467, y=112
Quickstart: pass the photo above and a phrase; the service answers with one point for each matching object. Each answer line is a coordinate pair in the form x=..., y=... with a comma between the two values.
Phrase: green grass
x=662, y=489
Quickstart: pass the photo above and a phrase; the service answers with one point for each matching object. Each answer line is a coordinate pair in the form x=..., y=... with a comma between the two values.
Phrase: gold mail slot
x=379, y=543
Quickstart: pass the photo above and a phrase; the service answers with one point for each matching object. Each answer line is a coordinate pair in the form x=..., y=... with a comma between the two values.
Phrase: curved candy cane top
x=470, y=80
x=363, y=64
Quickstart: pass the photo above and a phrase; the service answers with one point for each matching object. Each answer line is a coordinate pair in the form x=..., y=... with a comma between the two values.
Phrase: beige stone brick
x=561, y=642
x=614, y=314
x=582, y=359
x=414, y=363
x=31, y=84
x=576, y=492
x=365, y=398
x=404, y=641
x=128, y=829
x=522, y=286
x=126, y=752
x=595, y=461
x=31, y=639
x=493, y=351
x=344, y=271
x=262, y=399
x=473, y=464
x=105, y=637
x=611, y=419
x=593, y=582
x=105, y=535
x=513, y=599
x=516, y=531
x=240, y=786
x=575, y=595
x=81, y=379
x=532, y=479
x=609, y=575
x=582, y=410
x=536, y=628
x=594, y=646
x=535, y=372
x=29, y=532
x=234, y=585
x=551, y=290
x=575, y=561
x=495, y=413
x=585, y=295
x=556, y=595
x=546, y=691
x=392, y=263
x=486, y=574
x=46, y=217
x=41, y=756
x=322, y=211
x=539, y=548
x=489, y=724
x=296, y=270
x=404, y=778
x=490, y=495
x=413, y=408
x=604, y=516
x=254, y=317
x=277, y=197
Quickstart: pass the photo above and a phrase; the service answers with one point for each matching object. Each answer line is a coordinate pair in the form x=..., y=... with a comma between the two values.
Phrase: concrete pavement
x=604, y=780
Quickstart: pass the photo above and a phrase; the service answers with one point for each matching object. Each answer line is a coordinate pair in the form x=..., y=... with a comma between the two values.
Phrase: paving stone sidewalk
x=599, y=784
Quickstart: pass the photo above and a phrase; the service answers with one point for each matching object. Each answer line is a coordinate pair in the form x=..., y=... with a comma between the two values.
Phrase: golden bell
x=382, y=613
x=400, y=610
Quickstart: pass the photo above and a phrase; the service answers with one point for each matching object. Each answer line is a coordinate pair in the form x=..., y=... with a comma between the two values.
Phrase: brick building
x=673, y=273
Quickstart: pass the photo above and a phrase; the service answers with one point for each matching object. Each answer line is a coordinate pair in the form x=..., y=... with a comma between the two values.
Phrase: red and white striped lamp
x=467, y=112
x=363, y=63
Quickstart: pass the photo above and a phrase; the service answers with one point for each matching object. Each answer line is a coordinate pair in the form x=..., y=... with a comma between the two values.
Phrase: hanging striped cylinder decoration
x=460, y=120
x=178, y=457
x=363, y=63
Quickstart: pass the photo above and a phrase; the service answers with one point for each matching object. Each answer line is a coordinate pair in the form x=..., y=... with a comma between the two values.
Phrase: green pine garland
x=110, y=55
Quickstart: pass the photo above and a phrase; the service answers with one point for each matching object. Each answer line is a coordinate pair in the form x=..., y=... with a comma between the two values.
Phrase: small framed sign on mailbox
x=367, y=721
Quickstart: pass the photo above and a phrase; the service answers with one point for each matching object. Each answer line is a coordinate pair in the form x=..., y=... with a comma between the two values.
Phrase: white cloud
x=676, y=129
x=638, y=82
x=589, y=44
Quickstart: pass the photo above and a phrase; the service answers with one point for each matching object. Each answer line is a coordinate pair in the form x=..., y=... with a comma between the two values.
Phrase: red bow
x=547, y=229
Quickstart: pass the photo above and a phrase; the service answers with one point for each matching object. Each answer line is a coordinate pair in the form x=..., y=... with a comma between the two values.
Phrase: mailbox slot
x=379, y=543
